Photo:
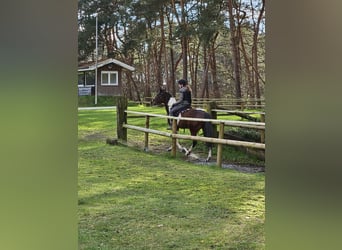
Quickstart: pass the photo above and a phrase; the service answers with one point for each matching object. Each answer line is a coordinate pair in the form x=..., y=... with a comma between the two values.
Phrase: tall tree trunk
x=183, y=36
x=147, y=82
x=185, y=57
x=172, y=80
x=184, y=41
x=205, y=88
x=213, y=67
x=250, y=80
x=234, y=44
x=166, y=56
x=172, y=73
x=255, y=66
x=129, y=80
x=195, y=82
x=255, y=51
x=194, y=68
x=159, y=54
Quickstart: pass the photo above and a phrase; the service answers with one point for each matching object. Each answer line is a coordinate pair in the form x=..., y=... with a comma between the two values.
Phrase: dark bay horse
x=163, y=97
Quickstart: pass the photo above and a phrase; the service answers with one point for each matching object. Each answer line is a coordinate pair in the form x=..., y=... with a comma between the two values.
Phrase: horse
x=164, y=97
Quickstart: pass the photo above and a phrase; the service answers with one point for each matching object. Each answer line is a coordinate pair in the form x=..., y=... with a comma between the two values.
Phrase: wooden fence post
x=209, y=107
x=121, y=118
x=147, y=125
x=174, y=140
x=219, y=146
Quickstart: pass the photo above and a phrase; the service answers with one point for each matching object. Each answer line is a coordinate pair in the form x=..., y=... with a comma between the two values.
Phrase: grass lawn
x=130, y=199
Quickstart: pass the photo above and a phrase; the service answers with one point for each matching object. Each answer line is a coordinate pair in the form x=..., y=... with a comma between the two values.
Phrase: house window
x=86, y=78
x=109, y=78
x=90, y=78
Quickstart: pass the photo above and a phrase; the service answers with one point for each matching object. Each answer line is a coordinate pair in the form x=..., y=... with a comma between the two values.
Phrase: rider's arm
x=181, y=97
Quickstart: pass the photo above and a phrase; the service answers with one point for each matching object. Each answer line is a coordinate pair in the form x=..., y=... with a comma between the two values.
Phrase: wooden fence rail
x=255, y=125
x=220, y=141
x=235, y=103
x=245, y=114
x=198, y=138
x=242, y=103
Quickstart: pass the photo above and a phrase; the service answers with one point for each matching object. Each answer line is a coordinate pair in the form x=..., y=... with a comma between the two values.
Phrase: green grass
x=130, y=199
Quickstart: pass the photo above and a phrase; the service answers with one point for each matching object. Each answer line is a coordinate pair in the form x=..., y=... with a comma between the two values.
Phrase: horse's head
x=162, y=97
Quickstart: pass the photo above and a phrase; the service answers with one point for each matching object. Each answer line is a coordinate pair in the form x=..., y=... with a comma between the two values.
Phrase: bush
x=89, y=101
x=244, y=134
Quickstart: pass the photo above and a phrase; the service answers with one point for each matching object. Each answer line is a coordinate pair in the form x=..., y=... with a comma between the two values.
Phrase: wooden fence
x=122, y=127
x=226, y=103
x=214, y=112
x=231, y=103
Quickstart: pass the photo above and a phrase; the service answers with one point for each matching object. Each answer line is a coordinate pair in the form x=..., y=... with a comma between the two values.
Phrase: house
x=109, y=77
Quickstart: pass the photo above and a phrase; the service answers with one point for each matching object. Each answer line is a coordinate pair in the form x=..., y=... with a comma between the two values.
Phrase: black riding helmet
x=183, y=82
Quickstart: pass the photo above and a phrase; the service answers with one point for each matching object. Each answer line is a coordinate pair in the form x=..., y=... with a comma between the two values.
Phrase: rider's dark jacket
x=183, y=103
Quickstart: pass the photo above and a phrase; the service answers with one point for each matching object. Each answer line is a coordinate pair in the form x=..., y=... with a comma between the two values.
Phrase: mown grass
x=131, y=199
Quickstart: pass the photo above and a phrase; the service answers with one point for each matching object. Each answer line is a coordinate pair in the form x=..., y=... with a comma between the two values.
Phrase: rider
x=184, y=101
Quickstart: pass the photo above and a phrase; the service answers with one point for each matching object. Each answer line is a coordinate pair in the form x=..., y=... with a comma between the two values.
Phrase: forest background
x=218, y=45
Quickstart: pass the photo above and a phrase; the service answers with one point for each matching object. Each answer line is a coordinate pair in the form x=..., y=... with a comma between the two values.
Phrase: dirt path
x=199, y=159
x=241, y=168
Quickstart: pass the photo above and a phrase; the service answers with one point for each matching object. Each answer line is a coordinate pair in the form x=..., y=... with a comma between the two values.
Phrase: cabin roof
x=92, y=65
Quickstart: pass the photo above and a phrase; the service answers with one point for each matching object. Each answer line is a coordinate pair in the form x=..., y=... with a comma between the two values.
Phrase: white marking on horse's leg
x=178, y=145
x=178, y=120
x=209, y=155
x=181, y=148
x=189, y=150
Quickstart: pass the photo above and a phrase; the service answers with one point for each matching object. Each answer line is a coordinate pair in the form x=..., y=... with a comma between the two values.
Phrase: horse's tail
x=208, y=129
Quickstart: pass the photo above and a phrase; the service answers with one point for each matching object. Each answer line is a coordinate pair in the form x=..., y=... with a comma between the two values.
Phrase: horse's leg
x=209, y=154
x=180, y=147
x=194, y=132
x=167, y=113
x=194, y=142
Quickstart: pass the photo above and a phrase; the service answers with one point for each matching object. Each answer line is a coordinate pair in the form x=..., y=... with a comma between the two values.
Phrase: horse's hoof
x=207, y=160
x=169, y=149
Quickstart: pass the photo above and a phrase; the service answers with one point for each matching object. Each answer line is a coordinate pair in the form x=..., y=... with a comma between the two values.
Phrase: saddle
x=182, y=111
